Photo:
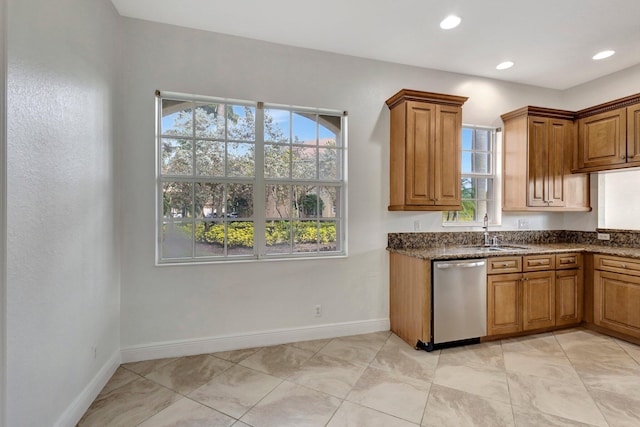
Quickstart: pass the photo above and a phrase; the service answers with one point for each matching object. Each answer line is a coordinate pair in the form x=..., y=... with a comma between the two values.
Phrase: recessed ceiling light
x=603, y=54
x=504, y=65
x=450, y=22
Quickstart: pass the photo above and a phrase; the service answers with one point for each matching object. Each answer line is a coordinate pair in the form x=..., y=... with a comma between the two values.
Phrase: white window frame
x=259, y=182
x=495, y=217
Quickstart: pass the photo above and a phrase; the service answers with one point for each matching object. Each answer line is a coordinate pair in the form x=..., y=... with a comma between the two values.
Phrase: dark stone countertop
x=469, y=252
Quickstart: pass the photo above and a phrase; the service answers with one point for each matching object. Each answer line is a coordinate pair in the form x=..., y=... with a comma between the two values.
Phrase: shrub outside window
x=247, y=180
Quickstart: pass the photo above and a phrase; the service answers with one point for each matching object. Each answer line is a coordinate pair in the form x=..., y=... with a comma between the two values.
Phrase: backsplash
x=619, y=238
x=429, y=240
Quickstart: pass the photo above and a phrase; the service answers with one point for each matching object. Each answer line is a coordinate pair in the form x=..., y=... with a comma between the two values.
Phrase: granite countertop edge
x=471, y=252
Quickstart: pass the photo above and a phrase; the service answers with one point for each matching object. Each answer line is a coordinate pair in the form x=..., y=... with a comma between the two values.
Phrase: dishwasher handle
x=460, y=264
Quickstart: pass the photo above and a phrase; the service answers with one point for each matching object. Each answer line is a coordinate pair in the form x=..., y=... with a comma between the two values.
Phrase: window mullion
x=194, y=126
x=259, y=189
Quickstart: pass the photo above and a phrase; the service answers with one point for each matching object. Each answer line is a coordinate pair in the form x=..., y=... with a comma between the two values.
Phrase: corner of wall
x=79, y=406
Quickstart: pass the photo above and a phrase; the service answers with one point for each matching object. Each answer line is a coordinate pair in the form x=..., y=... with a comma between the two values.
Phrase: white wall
x=62, y=269
x=607, y=88
x=3, y=209
x=620, y=200
x=183, y=303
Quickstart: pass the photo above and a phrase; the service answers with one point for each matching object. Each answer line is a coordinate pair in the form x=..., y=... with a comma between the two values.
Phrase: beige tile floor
x=574, y=377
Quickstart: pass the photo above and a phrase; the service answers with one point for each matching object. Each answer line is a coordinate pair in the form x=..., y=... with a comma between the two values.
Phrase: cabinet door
x=504, y=315
x=538, y=161
x=538, y=300
x=447, y=146
x=633, y=134
x=616, y=300
x=569, y=294
x=547, y=141
x=602, y=139
x=420, y=134
x=560, y=132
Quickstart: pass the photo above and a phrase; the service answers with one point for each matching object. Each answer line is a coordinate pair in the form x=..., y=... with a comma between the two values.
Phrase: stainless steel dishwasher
x=459, y=302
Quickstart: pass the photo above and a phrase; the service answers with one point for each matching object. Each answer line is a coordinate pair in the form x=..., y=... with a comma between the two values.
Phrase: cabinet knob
x=623, y=265
x=506, y=264
x=623, y=157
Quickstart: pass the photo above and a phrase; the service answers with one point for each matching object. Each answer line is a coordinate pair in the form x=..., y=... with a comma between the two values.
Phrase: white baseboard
x=248, y=340
x=79, y=406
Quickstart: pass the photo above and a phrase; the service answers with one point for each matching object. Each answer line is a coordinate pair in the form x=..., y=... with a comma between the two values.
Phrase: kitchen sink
x=500, y=248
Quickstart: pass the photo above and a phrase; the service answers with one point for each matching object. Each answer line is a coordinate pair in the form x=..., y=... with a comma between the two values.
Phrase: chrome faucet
x=485, y=225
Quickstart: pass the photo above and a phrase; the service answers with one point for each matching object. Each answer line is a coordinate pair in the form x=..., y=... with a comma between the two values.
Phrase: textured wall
x=3, y=211
x=62, y=269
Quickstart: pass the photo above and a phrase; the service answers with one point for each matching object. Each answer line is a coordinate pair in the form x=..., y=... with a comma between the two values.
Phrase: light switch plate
x=604, y=236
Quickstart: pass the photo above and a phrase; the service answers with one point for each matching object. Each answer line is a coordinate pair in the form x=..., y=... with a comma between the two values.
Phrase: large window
x=247, y=180
x=478, y=181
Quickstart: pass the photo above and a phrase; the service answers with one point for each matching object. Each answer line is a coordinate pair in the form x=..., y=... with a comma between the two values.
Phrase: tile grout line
x=506, y=373
x=178, y=393
x=424, y=410
x=344, y=399
x=586, y=387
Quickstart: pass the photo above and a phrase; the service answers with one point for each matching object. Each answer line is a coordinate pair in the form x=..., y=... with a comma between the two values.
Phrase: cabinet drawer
x=507, y=264
x=538, y=262
x=617, y=264
x=567, y=261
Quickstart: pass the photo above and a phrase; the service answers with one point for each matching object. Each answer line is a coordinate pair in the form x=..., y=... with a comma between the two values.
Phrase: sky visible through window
x=303, y=128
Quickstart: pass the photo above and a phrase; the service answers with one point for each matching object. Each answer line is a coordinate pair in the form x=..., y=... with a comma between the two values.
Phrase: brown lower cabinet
x=616, y=296
x=533, y=300
x=524, y=293
x=410, y=298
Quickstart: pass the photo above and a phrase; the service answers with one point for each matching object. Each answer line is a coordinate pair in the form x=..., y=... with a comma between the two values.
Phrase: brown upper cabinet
x=538, y=156
x=609, y=136
x=426, y=132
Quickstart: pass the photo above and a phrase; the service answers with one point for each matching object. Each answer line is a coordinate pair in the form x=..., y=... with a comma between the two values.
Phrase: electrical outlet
x=416, y=225
x=318, y=310
x=604, y=236
x=94, y=351
x=523, y=224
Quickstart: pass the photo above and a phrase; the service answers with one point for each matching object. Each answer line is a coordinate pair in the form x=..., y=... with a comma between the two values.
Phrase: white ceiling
x=551, y=41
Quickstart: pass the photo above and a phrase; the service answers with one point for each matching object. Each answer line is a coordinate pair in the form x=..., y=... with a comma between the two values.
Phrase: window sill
x=248, y=260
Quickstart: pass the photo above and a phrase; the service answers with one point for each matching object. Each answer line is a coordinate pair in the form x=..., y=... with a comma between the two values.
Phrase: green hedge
x=241, y=233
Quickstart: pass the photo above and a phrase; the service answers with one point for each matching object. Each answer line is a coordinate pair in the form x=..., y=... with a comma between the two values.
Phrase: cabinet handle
x=506, y=264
